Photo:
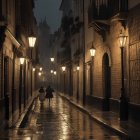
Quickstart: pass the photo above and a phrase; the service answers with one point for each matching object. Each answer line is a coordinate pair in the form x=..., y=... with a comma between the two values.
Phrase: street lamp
x=52, y=59
x=123, y=98
x=77, y=68
x=40, y=68
x=39, y=73
x=33, y=69
x=55, y=78
x=54, y=73
x=92, y=54
x=92, y=51
x=63, y=70
x=32, y=40
x=22, y=59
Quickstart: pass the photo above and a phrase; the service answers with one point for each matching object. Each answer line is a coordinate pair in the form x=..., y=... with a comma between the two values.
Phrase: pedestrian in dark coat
x=49, y=93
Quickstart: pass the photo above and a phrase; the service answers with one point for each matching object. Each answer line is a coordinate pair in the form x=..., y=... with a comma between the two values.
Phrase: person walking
x=42, y=94
x=49, y=93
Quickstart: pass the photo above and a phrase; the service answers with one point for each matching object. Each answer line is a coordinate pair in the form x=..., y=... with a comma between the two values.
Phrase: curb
x=24, y=117
x=119, y=132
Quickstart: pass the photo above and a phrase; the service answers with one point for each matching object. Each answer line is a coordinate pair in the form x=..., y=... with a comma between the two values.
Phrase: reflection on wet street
x=59, y=121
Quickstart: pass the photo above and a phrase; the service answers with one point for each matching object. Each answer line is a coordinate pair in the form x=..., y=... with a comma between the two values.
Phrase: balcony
x=101, y=12
x=105, y=10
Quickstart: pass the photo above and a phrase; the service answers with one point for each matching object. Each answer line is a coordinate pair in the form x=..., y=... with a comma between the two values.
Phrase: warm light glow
x=122, y=39
x=51, y=71
x=52, y=59
x=78, y=68
x=40, y=68
x=39, y=73
x=54, y=72
x=22, y=59
x=63, y=68
x=92, y=51
x=28, y=138
x=32, y=41
x=33, y=69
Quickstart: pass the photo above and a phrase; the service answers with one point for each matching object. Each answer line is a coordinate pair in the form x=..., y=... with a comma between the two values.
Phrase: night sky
x=50, y=10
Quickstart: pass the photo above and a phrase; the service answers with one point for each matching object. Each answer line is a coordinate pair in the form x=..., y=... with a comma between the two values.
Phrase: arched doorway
x=106, y=82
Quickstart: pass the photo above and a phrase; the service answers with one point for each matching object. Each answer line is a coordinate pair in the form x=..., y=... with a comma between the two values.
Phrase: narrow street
x=59, y=121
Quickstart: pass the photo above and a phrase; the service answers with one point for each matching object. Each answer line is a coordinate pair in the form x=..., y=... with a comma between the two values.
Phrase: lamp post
x=32, y=40
x=92, y=54
x=123, y=98
x=34, y=77
x=55, y=78
x=77, y=96
x=52, y=71
x=22, y=59
x=64, y=70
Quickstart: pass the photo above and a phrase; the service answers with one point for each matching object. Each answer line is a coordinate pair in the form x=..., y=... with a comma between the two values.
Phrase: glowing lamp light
x=51, y=71
x=54, y=72
x=122, y=39
x=40, y=68
x=22, y=59
x=39, y=73
x=33, y=69
x=63, y=68
x=92, y=51
x=32, y=41
x=78, y=68
x=52, y=59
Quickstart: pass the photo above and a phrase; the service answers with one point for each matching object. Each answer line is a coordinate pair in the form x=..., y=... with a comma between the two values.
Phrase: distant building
x=44, y=46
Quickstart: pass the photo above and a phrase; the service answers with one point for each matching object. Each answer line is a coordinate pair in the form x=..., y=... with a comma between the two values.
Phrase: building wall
x=134, y=62
x=108, y=46
x=10, y=51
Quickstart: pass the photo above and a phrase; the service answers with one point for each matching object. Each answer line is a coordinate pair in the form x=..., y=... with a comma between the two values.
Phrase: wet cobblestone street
x=59, y=121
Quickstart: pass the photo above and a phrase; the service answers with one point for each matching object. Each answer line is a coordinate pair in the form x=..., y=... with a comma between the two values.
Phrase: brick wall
x=134, y=54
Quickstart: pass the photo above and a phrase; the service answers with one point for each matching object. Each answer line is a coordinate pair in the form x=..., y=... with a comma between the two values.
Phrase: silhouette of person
x=49, y=93
x=42, y=94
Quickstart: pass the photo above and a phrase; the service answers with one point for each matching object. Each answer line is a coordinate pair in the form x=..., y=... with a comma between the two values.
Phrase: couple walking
x=48, y=95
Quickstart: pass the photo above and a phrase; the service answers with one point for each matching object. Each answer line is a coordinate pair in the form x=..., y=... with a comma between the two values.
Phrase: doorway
x=106, y=82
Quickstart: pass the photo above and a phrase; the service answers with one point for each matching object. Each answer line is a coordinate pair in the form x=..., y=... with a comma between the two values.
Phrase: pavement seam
x=121, y=133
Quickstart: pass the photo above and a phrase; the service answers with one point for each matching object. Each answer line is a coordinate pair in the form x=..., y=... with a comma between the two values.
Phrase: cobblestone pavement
x=59, y=121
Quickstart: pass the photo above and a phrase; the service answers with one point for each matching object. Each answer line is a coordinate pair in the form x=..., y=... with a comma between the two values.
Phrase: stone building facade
x=15, y=79
x=103, y=32
x=100, y=80
x=134, y=62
